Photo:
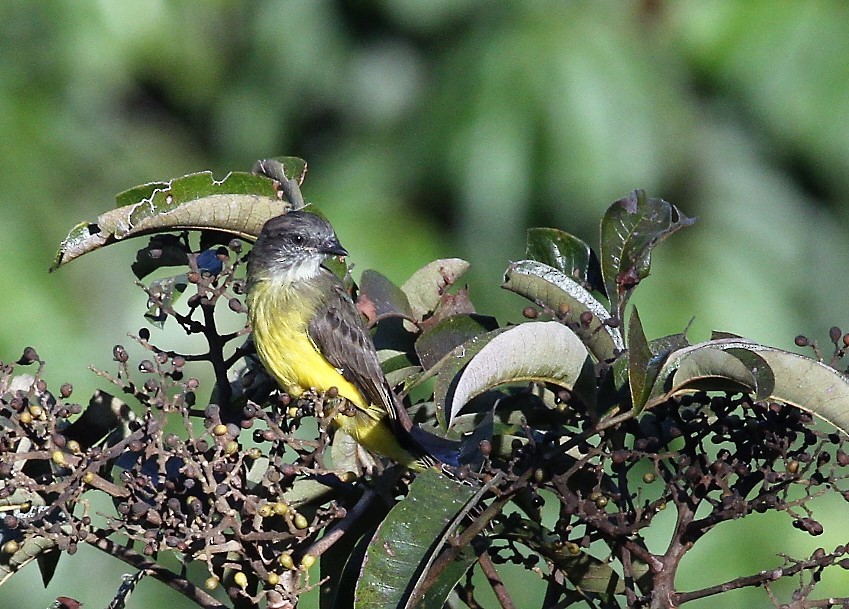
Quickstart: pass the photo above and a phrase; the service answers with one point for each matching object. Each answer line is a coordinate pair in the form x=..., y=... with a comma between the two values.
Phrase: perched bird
x=309, y=334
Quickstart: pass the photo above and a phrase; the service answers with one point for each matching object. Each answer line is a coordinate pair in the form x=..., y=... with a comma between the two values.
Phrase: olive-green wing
x=340, y=334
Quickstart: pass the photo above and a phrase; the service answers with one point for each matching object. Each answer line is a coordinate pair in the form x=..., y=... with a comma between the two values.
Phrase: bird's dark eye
x=298, y=239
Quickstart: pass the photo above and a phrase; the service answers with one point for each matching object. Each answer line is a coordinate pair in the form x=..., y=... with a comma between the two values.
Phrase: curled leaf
x=766, y=372
x=629, y=231
x=548, y=287
x=543, y=351
x=379, y=298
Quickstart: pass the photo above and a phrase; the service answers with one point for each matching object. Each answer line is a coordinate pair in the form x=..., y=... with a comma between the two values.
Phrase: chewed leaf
x=547, y=286
x=424, y=289
x=542, y=351
x=239, y=204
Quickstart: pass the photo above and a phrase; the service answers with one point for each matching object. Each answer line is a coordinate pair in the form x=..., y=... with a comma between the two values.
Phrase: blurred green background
x=437, y=128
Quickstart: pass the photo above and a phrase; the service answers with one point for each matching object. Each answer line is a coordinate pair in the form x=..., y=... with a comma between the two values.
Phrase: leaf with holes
x=239, y=204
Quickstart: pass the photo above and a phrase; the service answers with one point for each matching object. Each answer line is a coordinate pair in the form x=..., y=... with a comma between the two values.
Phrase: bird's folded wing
x=341, y=336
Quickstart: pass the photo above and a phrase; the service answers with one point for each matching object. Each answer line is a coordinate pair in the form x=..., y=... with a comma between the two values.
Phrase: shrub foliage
x=574, y=430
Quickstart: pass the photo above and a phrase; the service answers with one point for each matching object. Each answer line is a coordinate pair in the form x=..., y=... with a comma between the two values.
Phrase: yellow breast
x=279, y=318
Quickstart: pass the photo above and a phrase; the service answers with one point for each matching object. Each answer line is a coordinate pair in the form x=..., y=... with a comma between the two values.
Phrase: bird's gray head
x=292, y=247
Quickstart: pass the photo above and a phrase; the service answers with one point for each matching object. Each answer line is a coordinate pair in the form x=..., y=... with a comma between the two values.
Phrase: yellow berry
x=10, y=547
x=295, y=391
x=240, y=579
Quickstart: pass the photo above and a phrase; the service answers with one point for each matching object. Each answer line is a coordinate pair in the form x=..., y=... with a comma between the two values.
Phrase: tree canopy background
x=435, y=129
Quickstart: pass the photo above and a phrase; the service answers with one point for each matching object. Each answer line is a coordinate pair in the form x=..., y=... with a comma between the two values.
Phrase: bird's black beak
x=334, y=248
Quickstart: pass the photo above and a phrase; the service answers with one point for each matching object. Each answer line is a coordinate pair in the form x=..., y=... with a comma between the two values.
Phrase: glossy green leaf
x=426, y=286
x=629, y=231
x=404, y=542
x=562, y=251
x=340, y=566
x=239, y=204
x=641, y=374
x=549, y=287
x=542, y=351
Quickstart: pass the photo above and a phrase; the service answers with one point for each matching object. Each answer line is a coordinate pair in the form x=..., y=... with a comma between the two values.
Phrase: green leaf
x=641, y=374
x=436, y=342
x=340, y=566
x=379, y=298
x=239, y=204
x=564, y=252
x=405, y=542
x=541, y=351
x=789, y=378
x=438, y=593
x=425, y=287
x=549, y=287
x=629, y=231
x=449, y=366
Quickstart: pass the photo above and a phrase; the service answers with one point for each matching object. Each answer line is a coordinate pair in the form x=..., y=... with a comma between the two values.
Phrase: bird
x=309, y=334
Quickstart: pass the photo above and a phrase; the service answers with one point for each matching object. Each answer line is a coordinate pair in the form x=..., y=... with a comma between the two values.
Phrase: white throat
x=303, y=269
